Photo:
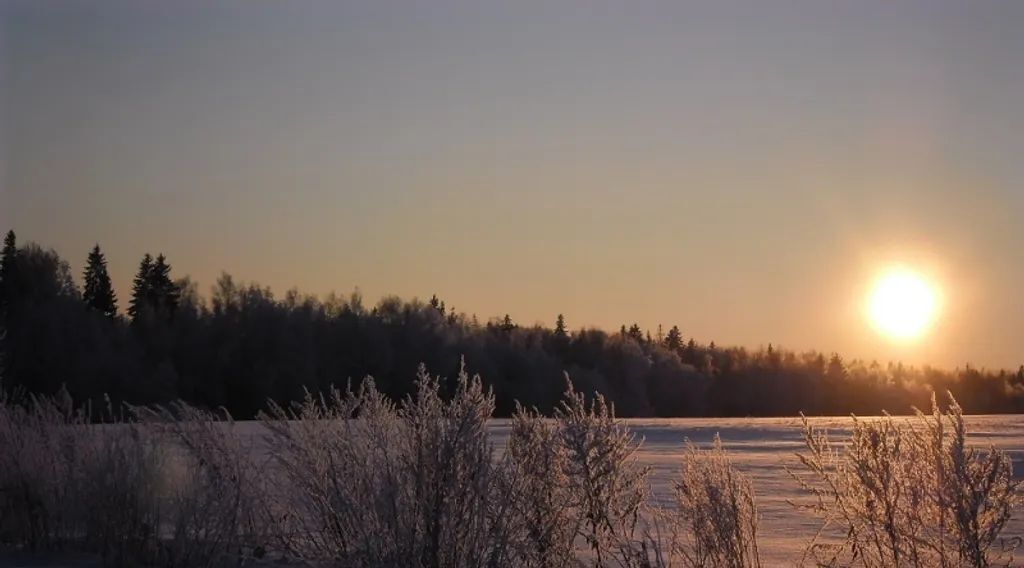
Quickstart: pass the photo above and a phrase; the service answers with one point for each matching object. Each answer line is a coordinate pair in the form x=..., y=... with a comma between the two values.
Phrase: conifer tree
x=7, y=258
x=437, y=304
x=507, y=325
x=142, y=294
x=560, y=330
x=774, y=360
x=98, y=293
x=165, y=293
x=690, y=353
x=560, y=337
x=836, y=369
x=636, y=333
x=674, y=339
x=10, y=251
x=3, y=350
x=7, y=267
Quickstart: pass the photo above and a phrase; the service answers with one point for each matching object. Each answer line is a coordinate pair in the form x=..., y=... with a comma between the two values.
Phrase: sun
x=903, y=305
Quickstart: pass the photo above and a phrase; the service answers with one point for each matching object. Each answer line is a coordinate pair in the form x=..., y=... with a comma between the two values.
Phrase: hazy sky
x=743, y=169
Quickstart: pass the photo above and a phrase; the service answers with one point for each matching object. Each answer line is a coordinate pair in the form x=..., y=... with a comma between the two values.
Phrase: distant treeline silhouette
x=242, y=345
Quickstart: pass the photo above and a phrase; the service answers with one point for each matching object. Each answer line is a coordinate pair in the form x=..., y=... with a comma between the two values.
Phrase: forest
x=241, y=346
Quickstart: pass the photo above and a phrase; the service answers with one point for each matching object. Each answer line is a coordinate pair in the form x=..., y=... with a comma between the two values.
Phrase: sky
x=742, y=169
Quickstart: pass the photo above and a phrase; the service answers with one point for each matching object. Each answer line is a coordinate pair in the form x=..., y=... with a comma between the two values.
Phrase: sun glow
x=903, y=305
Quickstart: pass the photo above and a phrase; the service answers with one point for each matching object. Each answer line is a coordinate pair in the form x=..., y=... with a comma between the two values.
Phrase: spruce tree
x=7, y=257
x=98, y=293
x=7, y=267
x=560, y=337
x=507, y=325
x=142, y=294
x=164, y=292
x=674, y=339
x=836, y=369
x=10, y=251
x=3, y=350
x=437, y=304
x=690, y=353
x=560, y=330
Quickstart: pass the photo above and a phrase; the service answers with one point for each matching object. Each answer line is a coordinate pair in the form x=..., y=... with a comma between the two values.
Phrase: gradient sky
x=743, y=169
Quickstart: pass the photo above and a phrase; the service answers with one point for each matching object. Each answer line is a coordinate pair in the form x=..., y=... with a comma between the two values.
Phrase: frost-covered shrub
x=578, y=494
x=66, y=484
x=337, y=477
x=910, y=492
x=448, y=452
x=370, y=483
x=350, y=478
x=609, y=485
x=580, y=497
x=717, y=507
x=366, y=482
x=215, y=501
x=546, y=520
x=970, y=493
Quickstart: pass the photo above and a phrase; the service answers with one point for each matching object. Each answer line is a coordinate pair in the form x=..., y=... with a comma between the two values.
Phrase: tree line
x=241, y=345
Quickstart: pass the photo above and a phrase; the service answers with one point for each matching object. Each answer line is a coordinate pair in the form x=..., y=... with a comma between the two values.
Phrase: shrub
x=609, y=485
x=542, y=502
x=716, y=504
x=351, y=478
x=337, y=476
x=370, y=483
x=909, y=493
x=971, y=493
x=69, y=485
x=215, y=497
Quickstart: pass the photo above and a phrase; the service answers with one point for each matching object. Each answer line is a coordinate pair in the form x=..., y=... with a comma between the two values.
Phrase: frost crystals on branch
x=910, y=492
